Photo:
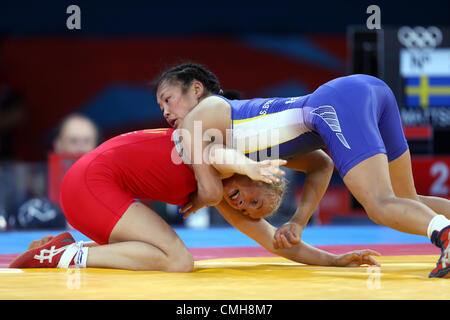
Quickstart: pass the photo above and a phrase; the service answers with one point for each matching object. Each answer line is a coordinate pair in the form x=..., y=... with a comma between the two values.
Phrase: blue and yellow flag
x=427, y=91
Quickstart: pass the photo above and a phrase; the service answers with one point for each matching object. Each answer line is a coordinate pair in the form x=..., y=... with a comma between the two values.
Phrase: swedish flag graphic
x=427, y=91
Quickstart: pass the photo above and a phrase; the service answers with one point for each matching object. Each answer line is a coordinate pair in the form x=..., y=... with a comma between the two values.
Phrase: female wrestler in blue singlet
x=355, y=117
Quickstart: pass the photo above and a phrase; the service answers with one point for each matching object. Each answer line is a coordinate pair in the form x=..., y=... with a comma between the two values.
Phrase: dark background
x=261, y=48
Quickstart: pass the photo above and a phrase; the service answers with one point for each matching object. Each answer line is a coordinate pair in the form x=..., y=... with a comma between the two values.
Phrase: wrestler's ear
x=198, y=89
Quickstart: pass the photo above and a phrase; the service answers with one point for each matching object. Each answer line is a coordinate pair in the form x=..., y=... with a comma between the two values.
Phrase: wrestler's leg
x=402, y=180
x=142, y=240
x=370, y=183
x=398, y=153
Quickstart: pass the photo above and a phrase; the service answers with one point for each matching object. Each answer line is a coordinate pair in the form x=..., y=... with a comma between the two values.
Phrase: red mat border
x=383, y=249
x=238, y=252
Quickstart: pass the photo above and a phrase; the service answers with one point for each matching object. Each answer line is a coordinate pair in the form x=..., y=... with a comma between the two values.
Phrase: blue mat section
x=18, y=241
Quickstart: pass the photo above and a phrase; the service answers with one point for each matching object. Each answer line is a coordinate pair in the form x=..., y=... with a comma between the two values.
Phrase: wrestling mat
x=239, y=273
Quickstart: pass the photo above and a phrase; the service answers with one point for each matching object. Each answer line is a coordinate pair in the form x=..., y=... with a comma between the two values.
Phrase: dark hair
x=231, y=94
x=186, y=73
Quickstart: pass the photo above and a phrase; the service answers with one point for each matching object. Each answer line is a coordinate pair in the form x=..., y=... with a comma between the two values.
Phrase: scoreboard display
x=417, y=66
x=415, y=62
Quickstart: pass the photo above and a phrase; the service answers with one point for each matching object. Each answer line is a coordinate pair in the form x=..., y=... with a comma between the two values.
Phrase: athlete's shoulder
x=216, y=102
x=210, y=108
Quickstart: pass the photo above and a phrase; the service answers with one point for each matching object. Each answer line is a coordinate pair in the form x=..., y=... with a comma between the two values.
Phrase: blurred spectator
x=77, y=135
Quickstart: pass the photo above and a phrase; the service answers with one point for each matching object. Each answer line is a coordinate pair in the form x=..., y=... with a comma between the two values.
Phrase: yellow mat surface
x=399, y=277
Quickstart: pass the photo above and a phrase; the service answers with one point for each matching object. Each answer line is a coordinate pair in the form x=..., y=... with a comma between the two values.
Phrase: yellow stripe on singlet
x=250, y=119
x=156, y=131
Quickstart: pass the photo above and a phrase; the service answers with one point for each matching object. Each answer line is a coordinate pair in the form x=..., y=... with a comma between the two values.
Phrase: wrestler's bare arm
x=206, y=124
x=230, y=161
x=318, y=168
x=262, y=232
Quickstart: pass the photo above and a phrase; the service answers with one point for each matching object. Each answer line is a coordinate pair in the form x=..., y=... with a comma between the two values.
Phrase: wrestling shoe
x=441, y=239
x=60, y=252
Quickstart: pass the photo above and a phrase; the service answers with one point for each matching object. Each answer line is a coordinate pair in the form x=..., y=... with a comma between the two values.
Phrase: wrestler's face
x=250, y=197
x=176, y=100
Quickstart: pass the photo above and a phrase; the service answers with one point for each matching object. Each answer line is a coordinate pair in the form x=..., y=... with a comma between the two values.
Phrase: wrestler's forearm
x=314, y=188
x=228, y=161
x=262, y=232
x=209, y=184
x=319, y=169
x=306, y=254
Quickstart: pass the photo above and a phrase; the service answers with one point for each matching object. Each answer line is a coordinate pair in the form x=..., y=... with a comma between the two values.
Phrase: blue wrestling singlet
x=273, y=128
x=354, y=117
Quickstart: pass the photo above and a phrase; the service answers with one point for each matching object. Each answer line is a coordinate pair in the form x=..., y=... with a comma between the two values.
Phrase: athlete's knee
x=186, y=263
x=180, y=259
x=405, y=190
x=182, y=262
x=437, y=204
x=378, y=208
x=407, y=195
x=424, y=199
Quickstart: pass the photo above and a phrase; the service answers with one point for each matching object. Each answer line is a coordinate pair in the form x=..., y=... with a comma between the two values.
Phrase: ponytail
x=231, y=94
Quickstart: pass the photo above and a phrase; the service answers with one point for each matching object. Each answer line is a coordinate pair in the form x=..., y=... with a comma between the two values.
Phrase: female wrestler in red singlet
x=98, y=198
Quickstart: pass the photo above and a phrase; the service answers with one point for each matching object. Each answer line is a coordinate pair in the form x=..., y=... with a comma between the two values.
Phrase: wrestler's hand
x=357, y=258
x=287, y=236
x=40, y=242
x=194, y=204
x=266, y=171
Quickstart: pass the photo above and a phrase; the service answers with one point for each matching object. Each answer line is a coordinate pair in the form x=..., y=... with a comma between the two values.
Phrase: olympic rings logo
x=420, y=37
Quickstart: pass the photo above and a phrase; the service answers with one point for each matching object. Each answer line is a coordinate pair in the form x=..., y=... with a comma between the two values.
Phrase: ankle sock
x=438, y=223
